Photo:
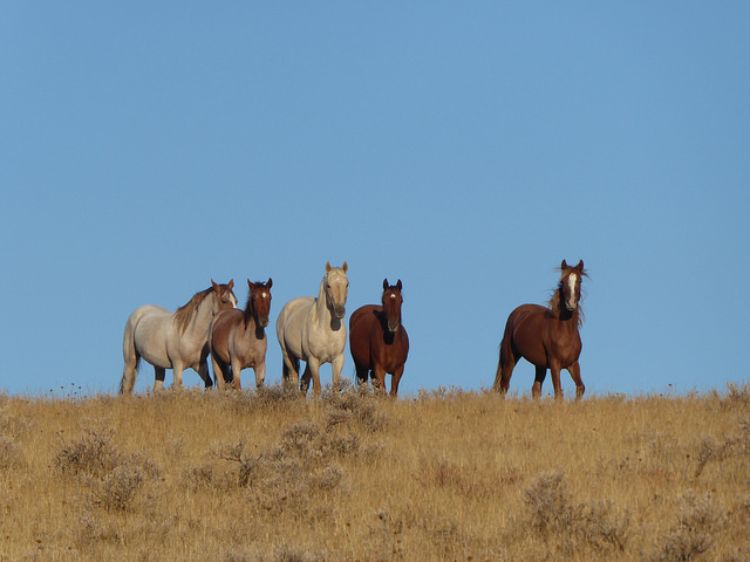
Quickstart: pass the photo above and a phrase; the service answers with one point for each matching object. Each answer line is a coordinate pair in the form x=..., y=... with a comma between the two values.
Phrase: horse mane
x=185, y=313
x=554, y=304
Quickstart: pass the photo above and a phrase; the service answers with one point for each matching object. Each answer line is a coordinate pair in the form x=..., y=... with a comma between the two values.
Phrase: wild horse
x=547, y=337
x=378, y=340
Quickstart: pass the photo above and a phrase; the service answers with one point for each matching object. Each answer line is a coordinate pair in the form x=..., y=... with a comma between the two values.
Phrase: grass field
x=445, y=476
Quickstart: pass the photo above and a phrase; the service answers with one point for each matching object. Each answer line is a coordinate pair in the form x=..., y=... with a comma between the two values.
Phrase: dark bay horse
x=547, y=337
x=378, y=341
x=238, y=338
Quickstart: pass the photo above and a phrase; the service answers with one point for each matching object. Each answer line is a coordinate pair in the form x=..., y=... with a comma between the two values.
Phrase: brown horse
x=238, y=338
x=378, y=341
x=546, y=337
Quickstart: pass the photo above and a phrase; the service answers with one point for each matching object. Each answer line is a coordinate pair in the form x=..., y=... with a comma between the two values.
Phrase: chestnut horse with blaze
x=378, y=341
x=547, y=337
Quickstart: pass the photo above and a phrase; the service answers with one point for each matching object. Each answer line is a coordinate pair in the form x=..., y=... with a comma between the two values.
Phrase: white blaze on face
x=393, y=295
x=234, y=300
x=572, y=280
x=264, y=295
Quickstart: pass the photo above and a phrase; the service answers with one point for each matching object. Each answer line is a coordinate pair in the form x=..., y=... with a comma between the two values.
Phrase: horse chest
x=566, y=347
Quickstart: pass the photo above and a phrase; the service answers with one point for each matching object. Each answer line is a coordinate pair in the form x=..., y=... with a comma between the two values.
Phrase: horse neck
x=566, y=318
x=249, y=313
x=322, y=312
x=202, y=317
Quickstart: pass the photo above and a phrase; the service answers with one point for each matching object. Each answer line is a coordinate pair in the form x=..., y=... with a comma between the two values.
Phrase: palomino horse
x=173, y=341
x=238, y=338
x=312, y=330
x=546, y=337
x=378, y=341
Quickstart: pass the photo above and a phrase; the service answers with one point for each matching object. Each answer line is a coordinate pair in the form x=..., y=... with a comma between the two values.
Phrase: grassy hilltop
x=446, y=476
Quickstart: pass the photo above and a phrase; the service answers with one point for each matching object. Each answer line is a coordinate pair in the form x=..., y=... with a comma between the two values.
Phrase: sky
x=464, y=148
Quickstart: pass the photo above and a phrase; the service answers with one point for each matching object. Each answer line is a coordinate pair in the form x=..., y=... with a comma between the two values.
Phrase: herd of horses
x=311, y=329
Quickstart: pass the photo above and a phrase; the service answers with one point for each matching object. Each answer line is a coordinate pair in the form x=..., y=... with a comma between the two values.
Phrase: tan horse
x=311, y=329
x=173, y=341
x=238, y=338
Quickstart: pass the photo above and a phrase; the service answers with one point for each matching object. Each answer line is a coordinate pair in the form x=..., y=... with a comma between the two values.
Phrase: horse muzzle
x=339, y=310
x=571, y=306
x=263, y=322
x=393, y=327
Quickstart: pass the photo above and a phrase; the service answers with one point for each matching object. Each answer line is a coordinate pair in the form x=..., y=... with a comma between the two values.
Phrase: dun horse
x=173, y=341
x=311, y=329
x=378, y=341
x=238, y=338
x=547, y=337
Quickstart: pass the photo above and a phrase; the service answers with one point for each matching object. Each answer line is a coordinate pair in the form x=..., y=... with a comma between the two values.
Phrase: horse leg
x=177, y=369
x=336, y=367
x=202, y=371
x=236, y=374
x=555, y=370
x=362, y=372
x=395, y=379
x=536, y=389
x=159, y=374
x=260, y=374
x=304, y=382
x=379, y=379
x=313, y=368
x=575, y=374
x=218, y=372
x=290, y=368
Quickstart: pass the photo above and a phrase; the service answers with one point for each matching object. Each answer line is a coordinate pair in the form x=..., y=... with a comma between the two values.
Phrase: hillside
x=445, y=476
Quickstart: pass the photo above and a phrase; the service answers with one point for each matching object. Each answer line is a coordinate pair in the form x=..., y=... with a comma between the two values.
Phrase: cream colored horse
x=173, y=341
x=312, y=330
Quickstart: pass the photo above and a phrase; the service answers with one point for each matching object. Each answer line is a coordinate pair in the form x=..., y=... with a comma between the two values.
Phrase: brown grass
x=446, y=476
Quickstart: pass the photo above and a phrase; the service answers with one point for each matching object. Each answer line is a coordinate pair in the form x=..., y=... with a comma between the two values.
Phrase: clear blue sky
x=463, y=147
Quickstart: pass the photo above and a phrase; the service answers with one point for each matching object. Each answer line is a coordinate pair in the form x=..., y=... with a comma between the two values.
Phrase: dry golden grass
x=446, y=476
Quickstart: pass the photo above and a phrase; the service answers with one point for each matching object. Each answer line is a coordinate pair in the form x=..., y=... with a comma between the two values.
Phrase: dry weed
x=695, y=533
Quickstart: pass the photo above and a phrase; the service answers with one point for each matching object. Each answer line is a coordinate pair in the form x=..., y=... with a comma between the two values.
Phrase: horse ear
x=398, y=284
x=328, y=266
x=345, y=267
x=564, y=265
x=579, y=267
x=214, y=285
x=231, y=284
x=269, y=283
x=249, y=284
x=385, y=283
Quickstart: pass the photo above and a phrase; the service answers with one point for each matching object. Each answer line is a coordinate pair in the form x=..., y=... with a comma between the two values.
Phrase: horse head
x=224, y=296
x=570, y=284
x=259, y=301
x=336, y=288
x=392, y=301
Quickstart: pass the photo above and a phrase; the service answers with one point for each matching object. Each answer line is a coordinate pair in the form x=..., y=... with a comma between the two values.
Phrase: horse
x=547, y=337
x=238, y=337
x=173, y=340
x=378, y=340
x=311, y=329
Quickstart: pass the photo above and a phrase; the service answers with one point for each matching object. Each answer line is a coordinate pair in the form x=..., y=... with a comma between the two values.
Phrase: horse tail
x=130, y=353
x=506, y=360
